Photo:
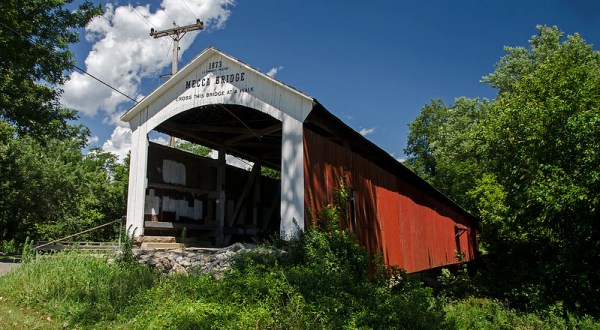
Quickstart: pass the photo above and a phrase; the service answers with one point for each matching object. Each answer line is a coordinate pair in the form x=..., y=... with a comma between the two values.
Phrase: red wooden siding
x=412, y=229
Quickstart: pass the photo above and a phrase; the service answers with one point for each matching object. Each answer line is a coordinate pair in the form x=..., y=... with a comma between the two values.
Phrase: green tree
x=443, y=148
x=49, y=191
x=196, y=149
x=542, y=139
x=34, y=55
x=48, y=188
x=528, y=165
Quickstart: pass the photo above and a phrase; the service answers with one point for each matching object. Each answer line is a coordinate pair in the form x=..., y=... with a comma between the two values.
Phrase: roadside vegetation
x=318, y=280
x=527, y=164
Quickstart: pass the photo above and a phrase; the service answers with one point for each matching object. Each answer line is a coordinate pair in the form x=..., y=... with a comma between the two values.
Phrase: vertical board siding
x=410, y=228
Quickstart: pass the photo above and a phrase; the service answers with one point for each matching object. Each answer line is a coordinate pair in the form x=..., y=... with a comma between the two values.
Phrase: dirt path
x=6, y=266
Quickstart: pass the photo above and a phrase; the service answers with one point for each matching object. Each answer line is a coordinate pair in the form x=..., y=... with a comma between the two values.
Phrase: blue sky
x=374, y=64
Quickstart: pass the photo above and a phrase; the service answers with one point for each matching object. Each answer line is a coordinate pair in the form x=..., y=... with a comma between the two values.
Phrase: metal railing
x=72, y=244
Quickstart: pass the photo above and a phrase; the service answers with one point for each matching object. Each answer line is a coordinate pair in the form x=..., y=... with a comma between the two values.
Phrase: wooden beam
x=182, y=188
x=211, y=128
x=269, y=215
x=251, y=178
x=240, y=203
x=178, y=225
x=221, y=199
x=207, y=138
x=255, y=133
x=260, y=145
x=257, y=197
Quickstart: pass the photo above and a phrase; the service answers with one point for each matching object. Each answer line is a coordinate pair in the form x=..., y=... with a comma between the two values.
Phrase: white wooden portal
x=215, y=78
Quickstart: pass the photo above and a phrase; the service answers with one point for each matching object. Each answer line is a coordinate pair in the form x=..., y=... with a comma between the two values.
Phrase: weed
x=28, y=253
x=76, y=287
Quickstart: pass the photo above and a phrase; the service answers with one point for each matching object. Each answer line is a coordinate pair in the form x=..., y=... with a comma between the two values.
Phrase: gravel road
x=6, y=266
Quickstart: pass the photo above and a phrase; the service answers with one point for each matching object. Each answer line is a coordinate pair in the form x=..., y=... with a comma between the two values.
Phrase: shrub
x=480, y=313
x=8, y=247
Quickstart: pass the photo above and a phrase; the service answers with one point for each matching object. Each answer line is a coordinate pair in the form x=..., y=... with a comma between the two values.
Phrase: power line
x=188, y=7
x=106, y=84
x=142, y=17
x=176, y=34
x=75, y=66
x=145, y=20
x=172, y=19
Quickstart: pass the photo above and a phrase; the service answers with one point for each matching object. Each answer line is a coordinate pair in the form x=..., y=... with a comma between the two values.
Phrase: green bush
x=325, y=273
x=9, y=247
x=318, y=280
x=491, y=314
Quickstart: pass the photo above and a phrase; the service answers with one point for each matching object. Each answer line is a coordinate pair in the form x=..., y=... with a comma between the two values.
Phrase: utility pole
x=176, y=34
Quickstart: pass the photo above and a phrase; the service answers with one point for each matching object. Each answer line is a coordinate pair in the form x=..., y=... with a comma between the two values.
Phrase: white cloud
x=271, y=73
x=366, y=131
x=123, y=53
x=92, y=140
x=160, y=140
x=119, y=142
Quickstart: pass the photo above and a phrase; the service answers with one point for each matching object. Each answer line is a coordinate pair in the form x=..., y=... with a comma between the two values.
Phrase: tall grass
x=472, y=313
x=318, y=280
x=76, y=287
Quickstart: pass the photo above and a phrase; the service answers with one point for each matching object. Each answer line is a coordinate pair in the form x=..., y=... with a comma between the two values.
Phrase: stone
x=209, y=261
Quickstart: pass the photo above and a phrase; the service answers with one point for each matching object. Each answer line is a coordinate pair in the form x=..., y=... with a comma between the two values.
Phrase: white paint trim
x=256, y=91
x=136, y=194
x=195, y=65
x=292, y=178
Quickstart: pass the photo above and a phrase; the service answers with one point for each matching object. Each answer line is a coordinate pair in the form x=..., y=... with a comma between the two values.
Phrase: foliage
x=8, y=247
x=193, y=148
x=35, y=54
x=125, y=256
x=329, y=271
x=528, y=165
x=48, y=188
x=28, y=253
x=456, y=285
x=310, y=282
x=443, y=147
x=270, y=173
x=76, y=287
x=48, y=192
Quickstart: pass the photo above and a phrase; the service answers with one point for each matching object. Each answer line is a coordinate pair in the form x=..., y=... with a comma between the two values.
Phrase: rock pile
x=184, y=261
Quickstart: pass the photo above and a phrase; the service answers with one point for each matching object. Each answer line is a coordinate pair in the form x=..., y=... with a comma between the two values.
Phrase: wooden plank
x=178, y=225
x=253, y=231
x=257, y=198
x=269, y=214
x=258, y=133
x=182, y=188
x=245, y=193
x=240, y=203
x=221, y=191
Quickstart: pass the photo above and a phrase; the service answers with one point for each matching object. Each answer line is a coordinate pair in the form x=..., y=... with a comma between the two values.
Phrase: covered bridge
x=219, y=102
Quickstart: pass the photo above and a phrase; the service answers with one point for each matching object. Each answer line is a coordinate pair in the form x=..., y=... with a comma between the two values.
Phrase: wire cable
x=75, y=66
x=241, y=121
x=105, y=84
x=145, y=20
x=165, y=10
x=188, y=7
x=142, y=17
